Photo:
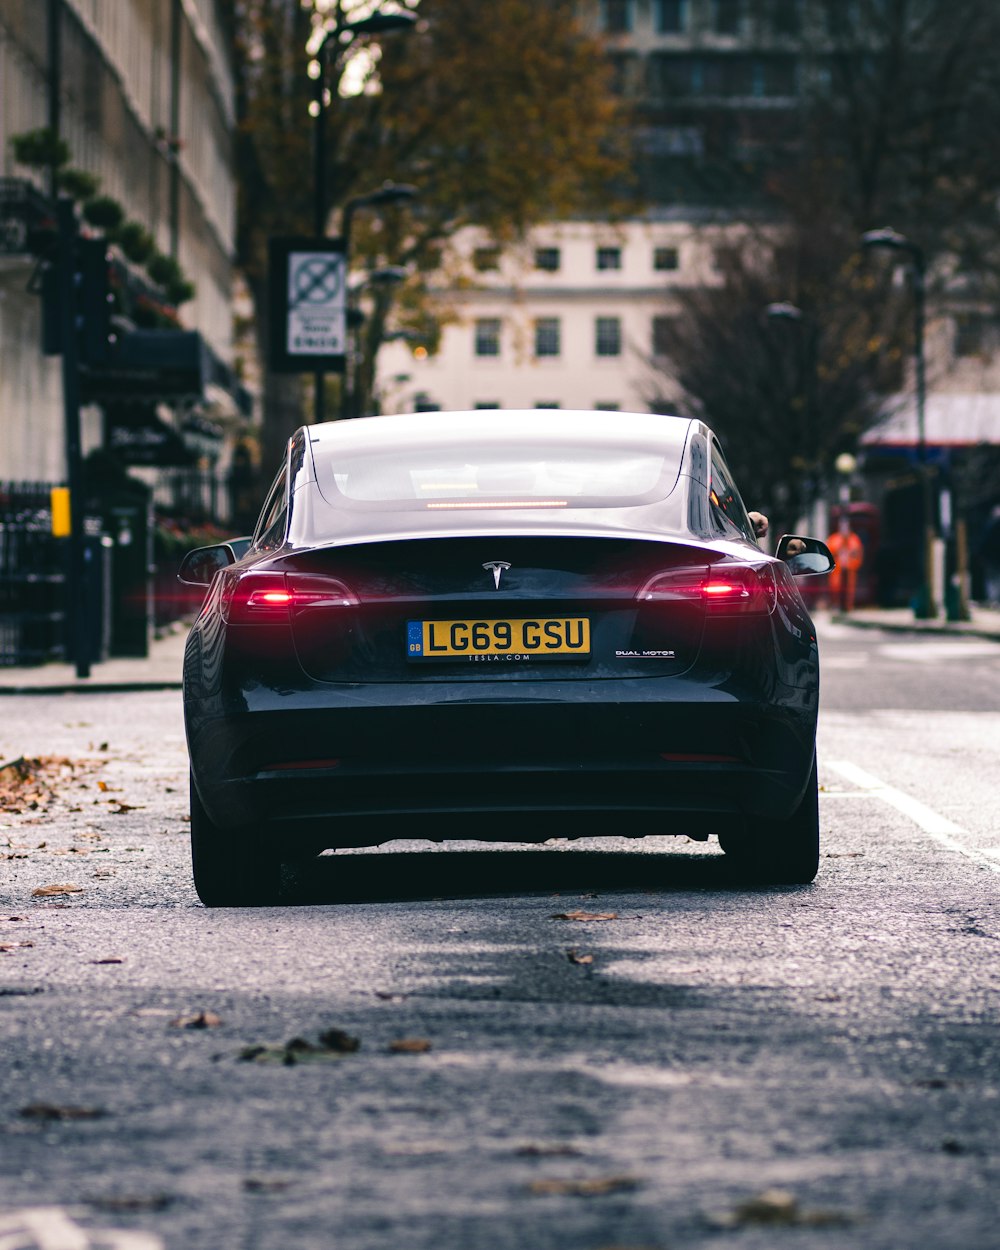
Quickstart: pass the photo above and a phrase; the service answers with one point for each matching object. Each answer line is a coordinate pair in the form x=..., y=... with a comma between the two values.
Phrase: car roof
x=572, y=425
x=316, y=521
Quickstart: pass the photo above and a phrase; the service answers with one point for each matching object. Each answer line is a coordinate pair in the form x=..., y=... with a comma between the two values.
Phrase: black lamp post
x=375, y=24
x=891, y=240
x=387, y=194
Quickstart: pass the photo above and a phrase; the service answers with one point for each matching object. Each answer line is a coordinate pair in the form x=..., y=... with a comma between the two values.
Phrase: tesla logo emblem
x=497, y=568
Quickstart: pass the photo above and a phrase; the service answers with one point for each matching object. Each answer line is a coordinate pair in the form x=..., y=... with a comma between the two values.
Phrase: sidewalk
x=984, y=622
x=161, y=669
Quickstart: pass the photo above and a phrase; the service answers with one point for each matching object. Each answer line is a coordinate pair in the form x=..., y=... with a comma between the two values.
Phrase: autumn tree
x=501, y=115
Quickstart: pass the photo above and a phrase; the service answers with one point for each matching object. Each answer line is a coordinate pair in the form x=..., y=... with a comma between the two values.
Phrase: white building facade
x=577, y=317
x=141, y=92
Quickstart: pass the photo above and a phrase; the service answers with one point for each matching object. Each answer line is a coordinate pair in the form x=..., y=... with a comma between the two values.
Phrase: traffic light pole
x=69, y=301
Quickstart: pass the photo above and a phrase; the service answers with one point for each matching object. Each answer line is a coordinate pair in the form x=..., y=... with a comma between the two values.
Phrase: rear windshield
x=450, y=479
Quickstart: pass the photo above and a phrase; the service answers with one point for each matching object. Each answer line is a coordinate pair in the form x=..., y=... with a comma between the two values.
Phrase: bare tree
x=899, y=100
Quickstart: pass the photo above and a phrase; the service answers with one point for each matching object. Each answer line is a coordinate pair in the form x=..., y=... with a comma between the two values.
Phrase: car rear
x=503, y=686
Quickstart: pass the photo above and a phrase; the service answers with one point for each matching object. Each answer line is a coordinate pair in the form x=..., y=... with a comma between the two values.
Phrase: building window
x=616, y=16
x=842, y=18
x=485, y=259
x=670, y=16
x=547, y=337
x=609, y=258
x=626, y=74
x=673, y=75
x=728, y=16
x=608, y=336
x=665, y=258
x=774, y=76
x=786, y=17
x=487, y=336
x=727, y=259
x=547, y=258
x=663, y=328
x=970, y=335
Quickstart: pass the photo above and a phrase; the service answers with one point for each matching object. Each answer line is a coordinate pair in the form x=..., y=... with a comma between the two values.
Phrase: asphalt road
x=636, y=1082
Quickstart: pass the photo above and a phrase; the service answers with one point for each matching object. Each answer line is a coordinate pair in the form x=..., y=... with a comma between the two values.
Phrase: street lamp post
x=375, y=24
x=925, y=607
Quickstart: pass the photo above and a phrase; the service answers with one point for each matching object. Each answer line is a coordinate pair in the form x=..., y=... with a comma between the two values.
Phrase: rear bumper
x=353, y=766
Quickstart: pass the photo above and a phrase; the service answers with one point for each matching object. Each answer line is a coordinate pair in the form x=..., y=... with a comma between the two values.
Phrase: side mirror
x=804, y=555
x=239, y=546
x=199, y=566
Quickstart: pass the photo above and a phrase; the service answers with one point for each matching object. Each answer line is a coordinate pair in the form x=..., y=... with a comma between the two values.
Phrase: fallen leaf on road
x=102, y=786
x=266, y=1184
x=410, y=1046
x=7, y=947
x=574, y=957
x=557, y=1151
x=119, y=808
x=34, y=783
x=388, y=996
x=593, y=1188
x=199, y=1020
x=778, y=1207
x=584, y=915
x=337, y=1039
x=51, y=891
x=299, y=1050
x=129, y=1204
x=53, y=1111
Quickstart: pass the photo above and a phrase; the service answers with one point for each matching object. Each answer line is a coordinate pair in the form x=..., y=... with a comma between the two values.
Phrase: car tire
x=230, y=867
x=780, y=852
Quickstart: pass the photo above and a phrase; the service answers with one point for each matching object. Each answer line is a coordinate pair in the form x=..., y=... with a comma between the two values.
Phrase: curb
x=942, y=629
x=106, y=687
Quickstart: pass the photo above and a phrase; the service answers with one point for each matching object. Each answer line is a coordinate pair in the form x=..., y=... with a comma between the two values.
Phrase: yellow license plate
x=531, y=638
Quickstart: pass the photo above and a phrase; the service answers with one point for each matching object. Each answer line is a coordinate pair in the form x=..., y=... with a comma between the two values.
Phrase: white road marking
x=50, y=1228
x=939, y=827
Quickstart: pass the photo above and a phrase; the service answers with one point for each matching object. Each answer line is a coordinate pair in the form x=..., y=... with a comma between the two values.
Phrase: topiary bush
x=104, y=212
x=134, y=240
x=40, y=148
x=180, y=290
x=78, y=183
x=164, y=269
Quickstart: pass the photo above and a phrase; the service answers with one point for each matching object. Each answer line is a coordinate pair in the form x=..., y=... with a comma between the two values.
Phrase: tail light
x=723, y=590
x=269, y=598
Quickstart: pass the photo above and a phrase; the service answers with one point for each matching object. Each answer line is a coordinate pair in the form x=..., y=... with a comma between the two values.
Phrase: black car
x=507, y=626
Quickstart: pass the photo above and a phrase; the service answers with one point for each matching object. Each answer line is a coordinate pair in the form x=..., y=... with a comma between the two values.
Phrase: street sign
x=308, y=305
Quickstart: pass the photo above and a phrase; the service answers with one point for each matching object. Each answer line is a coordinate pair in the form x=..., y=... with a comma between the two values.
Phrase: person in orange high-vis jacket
x=849, y=552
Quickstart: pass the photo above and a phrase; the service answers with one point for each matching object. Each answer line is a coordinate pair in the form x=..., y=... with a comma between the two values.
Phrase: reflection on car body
x=505, y=626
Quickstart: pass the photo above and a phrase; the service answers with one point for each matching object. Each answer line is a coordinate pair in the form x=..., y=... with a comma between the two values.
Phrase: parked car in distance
x=507, y=626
